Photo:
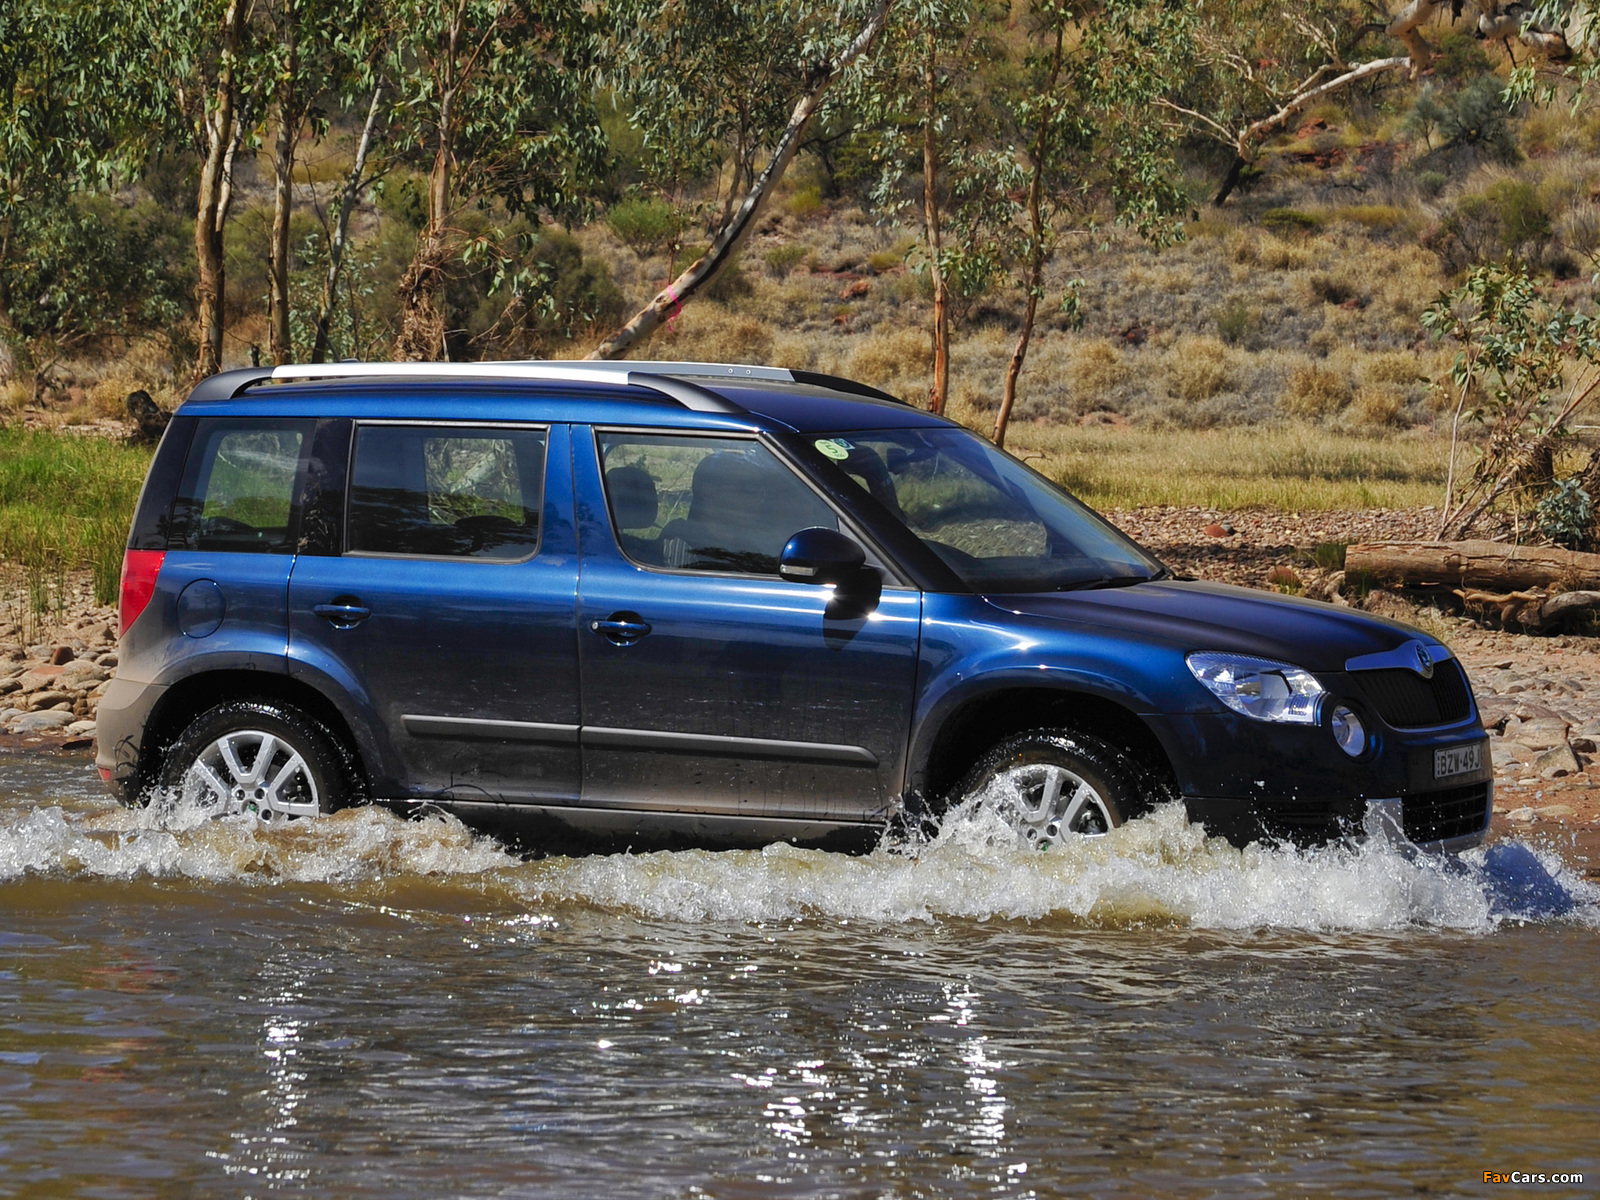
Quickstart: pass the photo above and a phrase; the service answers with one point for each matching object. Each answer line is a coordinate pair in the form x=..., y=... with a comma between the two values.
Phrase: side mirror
x=819, y=555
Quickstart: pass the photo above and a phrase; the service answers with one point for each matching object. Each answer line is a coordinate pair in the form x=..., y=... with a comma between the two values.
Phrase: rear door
x=446, y=610
x=709, y=684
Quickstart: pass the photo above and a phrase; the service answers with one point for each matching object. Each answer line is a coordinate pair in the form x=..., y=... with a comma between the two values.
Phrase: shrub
x=1315, y=392
x=806, y=202
x=1478, y=118
x=1290, y=221
x=1234, y=320
x=1330, y=290
x=1392, y=367
x=783, y=259
x=882, y=358
x=885, y=260
x=1097, y=370
x=1198, y=369
x=1431, y=183
x=646, y=226
x=1377, y=406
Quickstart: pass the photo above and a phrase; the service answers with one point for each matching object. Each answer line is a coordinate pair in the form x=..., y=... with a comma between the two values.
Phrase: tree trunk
x=278, y=345
x=1474, y=563
x=341, y=227
x=1037, y=250
x=1229, y=181
x=422, y=328
x=736, y=232
x=211, y=201
x=939, y=393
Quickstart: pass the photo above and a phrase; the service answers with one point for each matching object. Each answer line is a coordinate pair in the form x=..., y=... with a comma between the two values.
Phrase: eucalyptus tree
x=317, y=51
x=927, y=101
x=64, y=123
x=494, y=99
x=737, y=80
x=1089, y=141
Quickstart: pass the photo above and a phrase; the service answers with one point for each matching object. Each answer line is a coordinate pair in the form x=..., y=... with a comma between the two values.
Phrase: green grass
x=66, y=502
x=1293, y=468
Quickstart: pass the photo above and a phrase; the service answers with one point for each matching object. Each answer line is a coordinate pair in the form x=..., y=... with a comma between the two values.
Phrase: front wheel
x=1050, y=785
x=255, y=756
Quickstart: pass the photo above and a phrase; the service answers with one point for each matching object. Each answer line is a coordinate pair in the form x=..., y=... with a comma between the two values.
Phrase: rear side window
x=705, y=504
x=239, y=486
x=446, y=491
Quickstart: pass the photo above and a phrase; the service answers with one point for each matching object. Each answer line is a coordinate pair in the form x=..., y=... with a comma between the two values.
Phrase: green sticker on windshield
x=835, y=448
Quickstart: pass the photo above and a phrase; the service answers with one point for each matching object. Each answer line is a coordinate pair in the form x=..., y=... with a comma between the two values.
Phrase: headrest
x=728, y=484
x=634, y=502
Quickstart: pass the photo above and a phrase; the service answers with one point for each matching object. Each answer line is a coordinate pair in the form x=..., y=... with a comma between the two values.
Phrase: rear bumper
x=1444, y=821
x=119, y=729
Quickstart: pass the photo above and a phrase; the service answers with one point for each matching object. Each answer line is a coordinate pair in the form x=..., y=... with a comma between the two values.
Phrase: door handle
x=621, y=628
x=342, y=615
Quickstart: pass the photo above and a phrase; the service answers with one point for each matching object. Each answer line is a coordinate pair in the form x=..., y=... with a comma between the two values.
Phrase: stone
x=108, y=660
x=9, y=686
x=1551, y=812
x=1541, y=733
x=1556, y=762
x=1583, y=745
x=42, y=700
x=41, y=722
x=83, y=673
x=1217, y=530
x=1525, y=815
x=61, y=655
x=39, y=678
x=80, y=729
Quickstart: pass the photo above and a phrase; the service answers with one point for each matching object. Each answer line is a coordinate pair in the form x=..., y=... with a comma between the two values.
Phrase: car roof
x=685, y=395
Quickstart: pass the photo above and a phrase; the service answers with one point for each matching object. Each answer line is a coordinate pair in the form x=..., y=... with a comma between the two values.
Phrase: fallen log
x=1479, y=564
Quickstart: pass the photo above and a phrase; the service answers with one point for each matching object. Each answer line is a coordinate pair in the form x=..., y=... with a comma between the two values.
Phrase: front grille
x=1454, y=812
x=1408, y=701
x=1310, y=822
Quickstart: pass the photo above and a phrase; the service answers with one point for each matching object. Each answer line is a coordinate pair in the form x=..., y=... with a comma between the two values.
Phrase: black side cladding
x=152, y=518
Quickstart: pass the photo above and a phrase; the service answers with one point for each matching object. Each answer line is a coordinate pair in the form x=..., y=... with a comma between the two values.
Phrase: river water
x=367, y=1006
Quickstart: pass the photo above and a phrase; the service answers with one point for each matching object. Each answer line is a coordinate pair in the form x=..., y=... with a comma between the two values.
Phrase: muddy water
x=375, y=1007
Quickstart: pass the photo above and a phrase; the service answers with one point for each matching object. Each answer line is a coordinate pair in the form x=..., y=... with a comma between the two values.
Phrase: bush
x=1289, y=221
x=1315, y=392
x=1198, y=368
x=1431, y=183
x=1234, y=320
x=783, y=259
x=1097, y=371
x=1478, y=118
x=1377, y=406
x=646, y=226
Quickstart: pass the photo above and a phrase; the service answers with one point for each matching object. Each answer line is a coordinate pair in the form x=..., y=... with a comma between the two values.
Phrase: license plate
x=1457, y=760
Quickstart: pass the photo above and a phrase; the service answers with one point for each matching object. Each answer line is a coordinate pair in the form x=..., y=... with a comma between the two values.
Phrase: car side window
x=239, y=486
x=446, y=491
x=705, y=504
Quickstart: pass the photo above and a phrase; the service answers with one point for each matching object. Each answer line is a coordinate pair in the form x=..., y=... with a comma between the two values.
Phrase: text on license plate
x=1457, y=760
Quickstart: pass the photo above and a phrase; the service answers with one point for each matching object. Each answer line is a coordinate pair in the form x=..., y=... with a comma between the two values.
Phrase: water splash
x=1159, y=869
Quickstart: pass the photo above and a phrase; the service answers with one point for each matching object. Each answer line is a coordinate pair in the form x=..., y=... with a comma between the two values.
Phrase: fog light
x=1348, y=731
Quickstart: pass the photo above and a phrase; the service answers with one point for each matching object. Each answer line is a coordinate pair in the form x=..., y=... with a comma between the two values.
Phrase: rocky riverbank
x=1539, y=696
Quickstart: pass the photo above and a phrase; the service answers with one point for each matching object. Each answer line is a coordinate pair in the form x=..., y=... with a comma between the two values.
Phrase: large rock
x=1557, y=762
x=43, y=700
x=40, y=678
x=42, y=722
x=1541, y=733
x=81, y=673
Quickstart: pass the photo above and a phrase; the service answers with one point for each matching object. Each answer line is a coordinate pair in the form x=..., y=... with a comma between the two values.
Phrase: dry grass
x=1315, y=391
x=1293, y=468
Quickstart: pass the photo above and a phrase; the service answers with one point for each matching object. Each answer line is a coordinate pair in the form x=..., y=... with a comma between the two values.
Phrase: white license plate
x=1457, y=760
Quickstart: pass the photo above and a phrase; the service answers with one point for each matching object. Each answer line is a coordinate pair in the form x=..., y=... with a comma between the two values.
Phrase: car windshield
x=999, y=526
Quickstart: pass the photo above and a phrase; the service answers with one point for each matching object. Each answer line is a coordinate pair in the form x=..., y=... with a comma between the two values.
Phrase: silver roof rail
x=677, y=380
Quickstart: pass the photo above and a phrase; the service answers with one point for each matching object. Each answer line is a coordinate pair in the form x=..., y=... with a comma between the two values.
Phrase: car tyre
x=216, y=764
x=1050, y=784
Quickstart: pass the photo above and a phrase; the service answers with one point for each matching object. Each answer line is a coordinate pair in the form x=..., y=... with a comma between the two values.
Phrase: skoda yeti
x=645, y=604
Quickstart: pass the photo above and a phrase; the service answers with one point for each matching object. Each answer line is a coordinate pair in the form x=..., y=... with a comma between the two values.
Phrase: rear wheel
x=1050, y=785
x=255, y=756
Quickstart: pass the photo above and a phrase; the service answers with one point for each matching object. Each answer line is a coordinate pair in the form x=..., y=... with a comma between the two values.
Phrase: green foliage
x=1234, y=320
x=1290, y=221
x=1460, y=57
x=1506, y=221
x=1526, y=368
x=647, y=225
x=1478, y=118
x=783, y=259
x=1562, y=514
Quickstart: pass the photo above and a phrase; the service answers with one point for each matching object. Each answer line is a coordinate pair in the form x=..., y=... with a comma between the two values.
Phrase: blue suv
x=648, y=604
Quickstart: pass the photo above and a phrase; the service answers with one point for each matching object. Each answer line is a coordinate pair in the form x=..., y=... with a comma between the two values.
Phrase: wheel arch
x=187, y=698
x=967, y=732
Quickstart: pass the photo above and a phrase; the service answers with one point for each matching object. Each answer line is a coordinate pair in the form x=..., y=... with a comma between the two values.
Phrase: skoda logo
x=1424, y=662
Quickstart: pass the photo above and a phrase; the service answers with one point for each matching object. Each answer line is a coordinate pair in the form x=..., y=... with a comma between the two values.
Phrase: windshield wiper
x=1115, y=581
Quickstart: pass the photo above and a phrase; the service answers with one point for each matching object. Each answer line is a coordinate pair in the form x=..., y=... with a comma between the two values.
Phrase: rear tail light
x=139, y=571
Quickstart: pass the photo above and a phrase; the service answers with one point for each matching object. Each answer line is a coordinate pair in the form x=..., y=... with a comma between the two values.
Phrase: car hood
x=1211, y=616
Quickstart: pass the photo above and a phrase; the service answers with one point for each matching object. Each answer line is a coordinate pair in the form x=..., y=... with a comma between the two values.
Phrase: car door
x=709, y=684
x=446, y=610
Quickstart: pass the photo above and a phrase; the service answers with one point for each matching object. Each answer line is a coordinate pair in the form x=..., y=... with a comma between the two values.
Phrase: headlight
x=1348, y=731
x=1259, y=687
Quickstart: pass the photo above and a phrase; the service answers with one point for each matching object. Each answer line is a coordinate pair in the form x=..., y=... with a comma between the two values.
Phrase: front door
x=448, y=610
x=709, y=684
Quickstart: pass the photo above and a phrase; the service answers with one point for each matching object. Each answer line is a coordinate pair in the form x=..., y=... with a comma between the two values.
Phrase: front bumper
x=1443, y=821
